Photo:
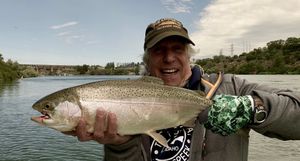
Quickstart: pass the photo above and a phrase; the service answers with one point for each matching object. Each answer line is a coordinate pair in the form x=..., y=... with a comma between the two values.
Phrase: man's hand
x=229, y=113
x=102, y=134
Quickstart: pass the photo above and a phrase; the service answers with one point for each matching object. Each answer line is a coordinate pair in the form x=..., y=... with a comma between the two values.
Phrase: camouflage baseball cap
x=163, y=28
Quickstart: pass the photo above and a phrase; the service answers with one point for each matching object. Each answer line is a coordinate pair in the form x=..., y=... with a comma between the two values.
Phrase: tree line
x=110, y=69
x=277, y=57
x=9, y=70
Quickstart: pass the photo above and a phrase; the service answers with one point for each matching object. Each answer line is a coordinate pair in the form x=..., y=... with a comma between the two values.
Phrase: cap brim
x=166, y=34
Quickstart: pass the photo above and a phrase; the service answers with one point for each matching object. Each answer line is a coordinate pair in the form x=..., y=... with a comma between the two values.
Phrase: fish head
x=60, y=111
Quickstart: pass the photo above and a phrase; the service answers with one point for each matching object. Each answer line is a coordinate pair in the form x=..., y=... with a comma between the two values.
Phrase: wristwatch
x=260, y=112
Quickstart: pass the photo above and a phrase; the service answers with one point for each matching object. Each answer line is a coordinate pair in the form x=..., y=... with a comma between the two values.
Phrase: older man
x=238, y=105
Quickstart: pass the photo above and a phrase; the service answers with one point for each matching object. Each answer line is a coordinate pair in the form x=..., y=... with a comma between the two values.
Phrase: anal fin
x=159, y=138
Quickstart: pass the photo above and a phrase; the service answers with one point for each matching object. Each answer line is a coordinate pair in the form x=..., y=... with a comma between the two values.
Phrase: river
x=23, y=139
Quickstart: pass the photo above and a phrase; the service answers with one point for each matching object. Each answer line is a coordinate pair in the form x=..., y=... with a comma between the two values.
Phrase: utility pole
x=221, y=52
x=231, y=49
x=246, y=46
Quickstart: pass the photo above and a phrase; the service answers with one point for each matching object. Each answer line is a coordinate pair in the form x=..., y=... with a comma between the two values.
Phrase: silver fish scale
x=141, y=106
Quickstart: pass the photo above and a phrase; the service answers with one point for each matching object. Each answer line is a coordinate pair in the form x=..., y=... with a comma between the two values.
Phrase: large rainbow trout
x=141, y=106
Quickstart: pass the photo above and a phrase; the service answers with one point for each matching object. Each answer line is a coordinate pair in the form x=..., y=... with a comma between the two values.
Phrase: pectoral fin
x=159, y=138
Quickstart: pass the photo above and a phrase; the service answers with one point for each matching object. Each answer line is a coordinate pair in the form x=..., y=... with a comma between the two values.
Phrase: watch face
x=260, y=115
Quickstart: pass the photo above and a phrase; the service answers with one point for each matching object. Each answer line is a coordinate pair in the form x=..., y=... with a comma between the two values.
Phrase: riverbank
x=8, y=72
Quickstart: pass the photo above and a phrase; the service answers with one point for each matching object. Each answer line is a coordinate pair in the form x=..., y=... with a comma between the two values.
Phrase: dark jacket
x=283, y=123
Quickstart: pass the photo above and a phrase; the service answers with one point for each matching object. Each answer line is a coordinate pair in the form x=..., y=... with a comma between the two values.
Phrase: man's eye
x=178, y=50
x=157, y=51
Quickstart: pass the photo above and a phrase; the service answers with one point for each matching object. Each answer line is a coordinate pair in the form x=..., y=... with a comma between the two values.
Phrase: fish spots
x=138, y=105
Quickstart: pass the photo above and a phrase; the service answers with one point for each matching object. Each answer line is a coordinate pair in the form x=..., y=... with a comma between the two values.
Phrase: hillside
x=277, y=57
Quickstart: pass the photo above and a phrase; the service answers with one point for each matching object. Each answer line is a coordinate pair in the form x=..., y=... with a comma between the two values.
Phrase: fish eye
x=47, y=106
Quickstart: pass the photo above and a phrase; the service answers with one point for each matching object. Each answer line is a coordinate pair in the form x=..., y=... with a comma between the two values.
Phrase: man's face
x=169, y=60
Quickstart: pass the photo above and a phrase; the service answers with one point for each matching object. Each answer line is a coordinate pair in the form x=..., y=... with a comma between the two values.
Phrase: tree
x=292, y=44
x=1, y=58
x=279, y=65
x=275, y=45
x=82, y=69
x=110, y=65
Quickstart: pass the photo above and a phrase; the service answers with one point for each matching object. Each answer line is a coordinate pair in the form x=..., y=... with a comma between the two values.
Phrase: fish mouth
x=42, y=118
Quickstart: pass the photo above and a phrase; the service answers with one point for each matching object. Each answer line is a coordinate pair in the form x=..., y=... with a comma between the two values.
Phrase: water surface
x=23, y=139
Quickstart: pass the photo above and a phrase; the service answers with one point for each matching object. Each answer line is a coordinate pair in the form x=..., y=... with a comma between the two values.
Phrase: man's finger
x=99, y=126
x=112, y=122
x=81, y=131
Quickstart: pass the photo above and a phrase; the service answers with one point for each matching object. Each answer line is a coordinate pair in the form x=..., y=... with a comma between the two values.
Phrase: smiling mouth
x=169, y=71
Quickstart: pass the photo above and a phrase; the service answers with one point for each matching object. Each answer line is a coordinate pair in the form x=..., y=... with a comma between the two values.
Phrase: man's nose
x=169, y=56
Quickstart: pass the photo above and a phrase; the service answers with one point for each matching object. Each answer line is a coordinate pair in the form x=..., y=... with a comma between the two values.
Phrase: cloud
x=67, y=33
x=245, y=25
x=70, y=39
x=92, y=42
x=177, y=6
x=67, y=24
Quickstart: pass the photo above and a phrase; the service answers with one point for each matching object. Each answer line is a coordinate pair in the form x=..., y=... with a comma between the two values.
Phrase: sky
x=95, y=32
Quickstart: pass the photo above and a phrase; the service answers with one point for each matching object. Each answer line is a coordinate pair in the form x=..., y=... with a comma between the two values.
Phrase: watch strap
x=259, y=109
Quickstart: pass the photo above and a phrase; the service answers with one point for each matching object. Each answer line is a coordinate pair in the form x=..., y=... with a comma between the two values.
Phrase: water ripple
x=21, y=139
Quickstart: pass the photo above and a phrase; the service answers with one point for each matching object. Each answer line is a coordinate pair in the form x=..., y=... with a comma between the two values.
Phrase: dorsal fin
x=151, y=79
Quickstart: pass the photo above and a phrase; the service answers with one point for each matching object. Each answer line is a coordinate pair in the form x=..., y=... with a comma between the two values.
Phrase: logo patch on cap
x=164, y=23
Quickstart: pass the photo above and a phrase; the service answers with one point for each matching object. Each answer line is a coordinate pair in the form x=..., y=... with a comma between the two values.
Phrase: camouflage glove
x=229, y=113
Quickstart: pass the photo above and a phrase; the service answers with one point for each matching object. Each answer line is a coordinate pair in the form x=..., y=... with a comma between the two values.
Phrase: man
x=238, y=106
